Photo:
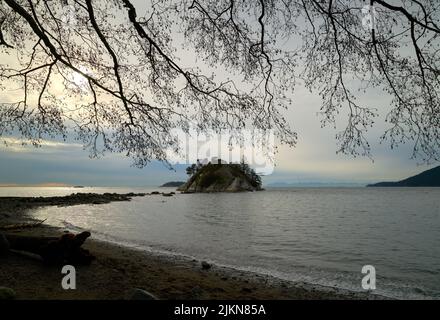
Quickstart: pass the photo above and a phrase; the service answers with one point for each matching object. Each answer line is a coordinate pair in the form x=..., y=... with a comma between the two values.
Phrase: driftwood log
x=54, y=250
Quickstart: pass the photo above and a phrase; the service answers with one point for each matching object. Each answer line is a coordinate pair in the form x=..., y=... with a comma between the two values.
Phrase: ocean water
x=322, y=236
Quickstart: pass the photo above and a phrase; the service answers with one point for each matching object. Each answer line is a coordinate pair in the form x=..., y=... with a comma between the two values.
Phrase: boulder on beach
x=206, y=265
x=7, y=293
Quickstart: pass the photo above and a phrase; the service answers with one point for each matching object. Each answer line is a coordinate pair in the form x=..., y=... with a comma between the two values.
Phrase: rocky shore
x=74, y=199
x=13, y=207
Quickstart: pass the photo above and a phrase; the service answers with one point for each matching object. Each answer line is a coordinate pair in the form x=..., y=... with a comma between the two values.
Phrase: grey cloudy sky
x=313, y=160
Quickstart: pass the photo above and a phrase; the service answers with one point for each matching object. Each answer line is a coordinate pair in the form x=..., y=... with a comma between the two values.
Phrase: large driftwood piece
x=54, y=250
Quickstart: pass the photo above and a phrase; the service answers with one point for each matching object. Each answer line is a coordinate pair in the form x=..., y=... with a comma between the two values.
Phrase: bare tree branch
x=125, y=86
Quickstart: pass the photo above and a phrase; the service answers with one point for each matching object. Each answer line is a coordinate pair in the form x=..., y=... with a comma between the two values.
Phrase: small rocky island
x=221, y=177
x=172, y=184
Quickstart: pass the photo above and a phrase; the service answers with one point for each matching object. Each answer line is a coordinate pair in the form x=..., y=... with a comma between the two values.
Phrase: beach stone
x=206, y=265
x=7, y=293
x=140, y=294
x=4, y=245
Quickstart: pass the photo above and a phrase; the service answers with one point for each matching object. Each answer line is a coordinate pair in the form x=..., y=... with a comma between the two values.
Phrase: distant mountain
x=172, y=184
x=428, y=178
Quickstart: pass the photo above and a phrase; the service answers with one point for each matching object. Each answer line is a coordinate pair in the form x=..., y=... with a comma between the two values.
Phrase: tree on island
x=242, y=167
x=112, y=75
x=251, y=174
x=191, y=169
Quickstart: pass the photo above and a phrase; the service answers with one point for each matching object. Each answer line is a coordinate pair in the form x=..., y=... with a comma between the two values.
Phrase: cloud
x=59, y=162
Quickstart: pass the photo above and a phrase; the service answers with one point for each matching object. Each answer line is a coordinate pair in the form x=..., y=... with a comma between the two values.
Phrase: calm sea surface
x=317, y=235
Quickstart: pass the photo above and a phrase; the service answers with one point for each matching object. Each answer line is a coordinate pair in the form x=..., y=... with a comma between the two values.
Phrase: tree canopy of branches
x=113, y=74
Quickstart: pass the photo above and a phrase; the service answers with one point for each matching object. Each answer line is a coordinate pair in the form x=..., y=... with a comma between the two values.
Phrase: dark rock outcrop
x=220, y=178
x=205, y=265
x=18, y=203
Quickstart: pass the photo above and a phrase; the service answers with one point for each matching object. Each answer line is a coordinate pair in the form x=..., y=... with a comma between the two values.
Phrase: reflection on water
x=316, y=235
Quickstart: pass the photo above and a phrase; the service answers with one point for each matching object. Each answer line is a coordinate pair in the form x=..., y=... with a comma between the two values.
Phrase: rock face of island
x=221, y=178
x=428, y=178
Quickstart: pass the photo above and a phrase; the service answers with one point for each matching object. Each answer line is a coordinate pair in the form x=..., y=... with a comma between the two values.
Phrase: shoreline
x=247, y=275
x=119, y=269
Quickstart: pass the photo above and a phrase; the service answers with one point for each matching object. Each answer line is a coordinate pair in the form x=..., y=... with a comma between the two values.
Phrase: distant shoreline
x=429, y=178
